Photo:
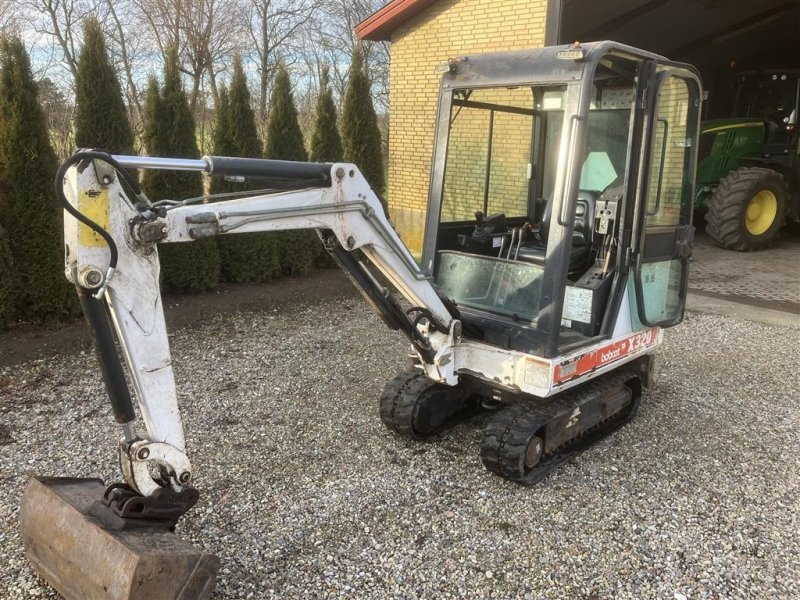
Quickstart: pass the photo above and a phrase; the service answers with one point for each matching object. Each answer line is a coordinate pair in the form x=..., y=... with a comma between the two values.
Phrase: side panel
x=523, y=373
x=576, y=367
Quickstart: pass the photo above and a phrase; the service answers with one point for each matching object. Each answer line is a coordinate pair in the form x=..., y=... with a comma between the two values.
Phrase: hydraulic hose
x=59, y=185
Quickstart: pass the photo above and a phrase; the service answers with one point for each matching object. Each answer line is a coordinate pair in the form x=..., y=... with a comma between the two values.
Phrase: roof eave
x=378, y=27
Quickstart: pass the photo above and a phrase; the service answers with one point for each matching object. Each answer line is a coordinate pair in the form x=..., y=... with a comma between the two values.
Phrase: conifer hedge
x=28, y=212
x=298, y=249
x=6, y=275
x=101, y=120
x=360, y=132
x=326, y=143
x=244, y=257
x=169, y=131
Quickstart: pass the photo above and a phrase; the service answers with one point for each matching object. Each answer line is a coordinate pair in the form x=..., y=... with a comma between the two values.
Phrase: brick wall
x=447, y=29
x=467, y=157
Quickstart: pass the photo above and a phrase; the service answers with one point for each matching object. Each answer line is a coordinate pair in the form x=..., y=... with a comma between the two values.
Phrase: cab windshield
x=503, y=155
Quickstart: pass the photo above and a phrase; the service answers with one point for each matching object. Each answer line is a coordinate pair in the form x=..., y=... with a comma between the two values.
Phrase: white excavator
x=556, y=251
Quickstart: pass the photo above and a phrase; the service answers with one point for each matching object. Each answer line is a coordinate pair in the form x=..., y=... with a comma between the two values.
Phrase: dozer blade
x=85, y=558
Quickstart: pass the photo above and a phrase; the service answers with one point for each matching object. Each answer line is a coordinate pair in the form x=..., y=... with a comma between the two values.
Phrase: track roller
x=416, y=407
x=524, y=442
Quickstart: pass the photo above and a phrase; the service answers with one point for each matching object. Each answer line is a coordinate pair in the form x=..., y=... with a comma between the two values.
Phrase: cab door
x=664, y=233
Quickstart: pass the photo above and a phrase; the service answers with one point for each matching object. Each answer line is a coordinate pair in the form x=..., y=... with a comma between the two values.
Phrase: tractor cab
x=762, y=125
x=748, y=175
x=561, y=195
x=773, y=98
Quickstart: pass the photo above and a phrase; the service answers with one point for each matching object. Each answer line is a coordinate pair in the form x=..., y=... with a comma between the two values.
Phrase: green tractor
x=748, y=173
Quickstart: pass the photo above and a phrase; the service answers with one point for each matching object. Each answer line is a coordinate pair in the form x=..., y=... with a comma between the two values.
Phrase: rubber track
x=506, y=436
x=399, y=399
x=725, y=216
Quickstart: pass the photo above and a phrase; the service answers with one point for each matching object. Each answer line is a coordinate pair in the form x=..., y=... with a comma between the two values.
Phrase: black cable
x=59, y=185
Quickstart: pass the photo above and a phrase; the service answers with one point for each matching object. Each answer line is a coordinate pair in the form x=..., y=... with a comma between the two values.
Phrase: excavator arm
x=112, y=258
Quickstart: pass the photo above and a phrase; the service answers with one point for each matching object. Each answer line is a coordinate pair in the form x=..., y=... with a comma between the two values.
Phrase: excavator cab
x=560, y=194
x=556, y=252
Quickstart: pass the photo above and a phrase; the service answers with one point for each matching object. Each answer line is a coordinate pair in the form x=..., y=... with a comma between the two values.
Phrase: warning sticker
x=95, y=205
x=577, y=305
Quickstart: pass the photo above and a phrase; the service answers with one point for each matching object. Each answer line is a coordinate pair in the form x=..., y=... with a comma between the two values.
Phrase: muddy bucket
x=86, y=558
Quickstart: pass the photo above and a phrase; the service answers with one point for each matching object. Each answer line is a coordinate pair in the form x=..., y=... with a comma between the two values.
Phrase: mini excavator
x=556, y=250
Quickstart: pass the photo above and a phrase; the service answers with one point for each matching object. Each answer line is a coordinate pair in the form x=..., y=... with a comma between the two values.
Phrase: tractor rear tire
x=748, y=209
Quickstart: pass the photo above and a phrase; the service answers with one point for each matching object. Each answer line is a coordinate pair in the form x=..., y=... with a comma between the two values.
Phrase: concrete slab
x=697, y=302
x=765, y=280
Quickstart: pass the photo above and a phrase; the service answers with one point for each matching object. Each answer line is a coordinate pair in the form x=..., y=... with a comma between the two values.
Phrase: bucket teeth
x=83, y=558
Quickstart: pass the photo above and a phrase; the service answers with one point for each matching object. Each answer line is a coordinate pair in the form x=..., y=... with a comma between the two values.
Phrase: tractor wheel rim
x=761, y=212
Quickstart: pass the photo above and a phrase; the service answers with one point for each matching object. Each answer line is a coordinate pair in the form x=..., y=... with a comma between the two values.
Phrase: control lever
x=480, y=235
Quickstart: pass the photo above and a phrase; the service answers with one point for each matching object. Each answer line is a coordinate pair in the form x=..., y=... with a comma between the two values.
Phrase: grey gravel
x=305, y=494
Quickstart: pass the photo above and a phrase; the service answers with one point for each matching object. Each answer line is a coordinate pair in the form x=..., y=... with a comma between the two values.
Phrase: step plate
x=85, y=559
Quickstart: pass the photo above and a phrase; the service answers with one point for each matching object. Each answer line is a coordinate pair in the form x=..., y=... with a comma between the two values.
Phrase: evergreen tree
x=360, y=133
x=28, y=213
x=298, y=249
x=244, y=257
x=169, y=131
x=242, y=121
x=101, y=120
x=221, y=140
x=284, y=138
x=153, y=116
x=6, y=278
x=326, y=143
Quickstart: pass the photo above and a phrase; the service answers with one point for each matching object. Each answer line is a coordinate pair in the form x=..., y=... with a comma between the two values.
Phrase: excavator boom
x=120, y=277
x=111, y=237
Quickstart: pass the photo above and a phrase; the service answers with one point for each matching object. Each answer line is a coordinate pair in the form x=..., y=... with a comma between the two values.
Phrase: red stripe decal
x=594, y=359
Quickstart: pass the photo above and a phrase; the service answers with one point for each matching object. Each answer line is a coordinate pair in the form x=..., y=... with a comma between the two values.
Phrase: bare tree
x=334, y=41
x=162, y=19
x=9, y=15
x=60, y=21
x=301, y=34
x=206, y=32
x=275, y=27
x=59, y=113
x=119, y=37
x=213, y=35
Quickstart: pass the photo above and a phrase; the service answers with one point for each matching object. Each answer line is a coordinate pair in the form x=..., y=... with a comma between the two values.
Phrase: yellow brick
x=446, y=29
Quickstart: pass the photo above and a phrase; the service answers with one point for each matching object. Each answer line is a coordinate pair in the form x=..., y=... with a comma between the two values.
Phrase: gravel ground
x=305, y=494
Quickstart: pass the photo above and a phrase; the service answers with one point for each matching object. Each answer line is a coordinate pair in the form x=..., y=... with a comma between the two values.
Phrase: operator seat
x=581, y=251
